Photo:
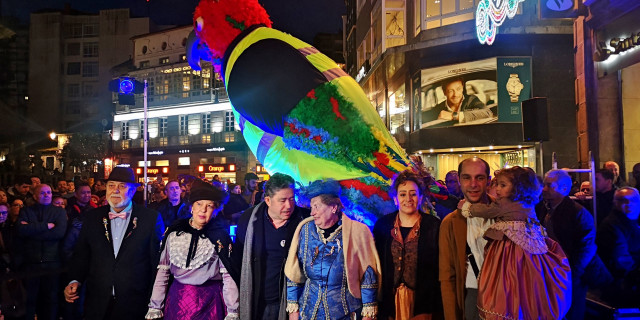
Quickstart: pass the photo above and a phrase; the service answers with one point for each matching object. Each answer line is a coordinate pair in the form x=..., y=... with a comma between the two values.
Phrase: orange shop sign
x=216, y=168
x=153, y=170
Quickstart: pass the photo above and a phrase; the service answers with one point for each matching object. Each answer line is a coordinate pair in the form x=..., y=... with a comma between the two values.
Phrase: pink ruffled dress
x=525, y=275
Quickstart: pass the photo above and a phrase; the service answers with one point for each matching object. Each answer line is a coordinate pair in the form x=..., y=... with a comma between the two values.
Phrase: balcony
x=210, y=95
x=214, y=138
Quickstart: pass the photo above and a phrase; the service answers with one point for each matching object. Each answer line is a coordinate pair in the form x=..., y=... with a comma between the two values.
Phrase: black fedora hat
x=122, y=174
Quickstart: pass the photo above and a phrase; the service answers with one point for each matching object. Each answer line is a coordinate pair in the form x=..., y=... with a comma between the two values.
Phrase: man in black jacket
x=262, y=242
x=42, y=227
x=172, y=208
x=116, y=254
x=619, y=246
x=571, y=225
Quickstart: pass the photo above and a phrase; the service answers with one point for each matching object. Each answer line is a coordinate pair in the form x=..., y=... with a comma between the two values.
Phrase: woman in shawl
x=196, y=252
x=332, y=269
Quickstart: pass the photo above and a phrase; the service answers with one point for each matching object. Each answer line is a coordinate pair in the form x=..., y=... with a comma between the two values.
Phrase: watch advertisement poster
x=514, y=86
x=455, y=95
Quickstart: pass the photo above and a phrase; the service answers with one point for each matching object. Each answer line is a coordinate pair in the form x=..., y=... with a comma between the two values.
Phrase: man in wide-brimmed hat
x=116, y=254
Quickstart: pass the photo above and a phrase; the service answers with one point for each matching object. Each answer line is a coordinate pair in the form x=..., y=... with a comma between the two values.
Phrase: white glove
x=232, y=316
x=154, y=314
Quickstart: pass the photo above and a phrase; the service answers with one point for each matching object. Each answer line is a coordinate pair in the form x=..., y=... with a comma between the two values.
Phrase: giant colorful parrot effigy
x=299, y=112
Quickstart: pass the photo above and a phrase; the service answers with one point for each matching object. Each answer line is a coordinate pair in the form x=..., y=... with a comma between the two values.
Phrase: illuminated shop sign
x=618, y=46
x=153, y=170
x=490, y=14
x=216, y=168
x=155, y=153
x=123, y=165
x=218, y=149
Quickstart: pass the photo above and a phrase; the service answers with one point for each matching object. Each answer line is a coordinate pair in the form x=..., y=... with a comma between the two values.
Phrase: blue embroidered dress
x=325, y=294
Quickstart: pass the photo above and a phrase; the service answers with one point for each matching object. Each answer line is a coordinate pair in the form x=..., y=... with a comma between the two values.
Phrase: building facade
x=71, y=54
x=446, y=96
x=191, y=126
x=607, y=63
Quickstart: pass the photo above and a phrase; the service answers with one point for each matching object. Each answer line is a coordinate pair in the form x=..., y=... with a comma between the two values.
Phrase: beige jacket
x=453, y=264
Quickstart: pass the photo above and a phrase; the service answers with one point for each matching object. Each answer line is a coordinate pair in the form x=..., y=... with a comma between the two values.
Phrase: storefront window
x=399, y=114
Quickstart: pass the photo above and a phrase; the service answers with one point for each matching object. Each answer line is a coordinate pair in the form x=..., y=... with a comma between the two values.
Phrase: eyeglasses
x=585, y=190
x=121, y=186
x=3, y=212
x=17, y=205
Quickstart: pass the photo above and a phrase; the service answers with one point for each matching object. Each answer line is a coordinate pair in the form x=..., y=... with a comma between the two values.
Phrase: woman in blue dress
x=321, y=282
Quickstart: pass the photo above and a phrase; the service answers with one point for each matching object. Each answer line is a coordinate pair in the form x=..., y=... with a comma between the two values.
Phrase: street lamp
x=53, y=135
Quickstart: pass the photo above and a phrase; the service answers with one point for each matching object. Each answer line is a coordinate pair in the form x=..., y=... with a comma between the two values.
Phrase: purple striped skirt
x=186, y=301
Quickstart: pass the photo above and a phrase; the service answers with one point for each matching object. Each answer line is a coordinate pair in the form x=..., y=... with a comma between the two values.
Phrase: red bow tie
x=121, y=215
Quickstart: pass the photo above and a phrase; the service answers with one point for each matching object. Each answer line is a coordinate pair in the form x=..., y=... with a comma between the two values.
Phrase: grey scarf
x=245, y=308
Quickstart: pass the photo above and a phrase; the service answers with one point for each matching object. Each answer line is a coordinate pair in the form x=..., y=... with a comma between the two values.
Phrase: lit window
x=229, y=137
x=445, y=12
x=184, y=140
x=206, y=138
x=125, y=144
x=186, y=85
x=194, y=124
x=184, y=161
x=141, y=163
x=163, y=141
x=152, y=128
x=162, y=163
x=395, y=26
x=164, y=60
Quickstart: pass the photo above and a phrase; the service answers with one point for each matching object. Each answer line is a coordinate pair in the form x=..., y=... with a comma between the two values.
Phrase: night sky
x=301, y=18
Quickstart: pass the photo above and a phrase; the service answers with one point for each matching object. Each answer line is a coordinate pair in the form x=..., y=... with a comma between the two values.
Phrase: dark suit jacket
x=131, y=273
x=259, y=255
x=471, y=104
x=41, y=244
x=571, y=225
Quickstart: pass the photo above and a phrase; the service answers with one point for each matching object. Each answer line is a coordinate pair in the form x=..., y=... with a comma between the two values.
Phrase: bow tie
x=121, y=215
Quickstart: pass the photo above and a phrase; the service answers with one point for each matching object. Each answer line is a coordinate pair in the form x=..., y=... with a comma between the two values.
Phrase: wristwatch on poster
x=514, y=86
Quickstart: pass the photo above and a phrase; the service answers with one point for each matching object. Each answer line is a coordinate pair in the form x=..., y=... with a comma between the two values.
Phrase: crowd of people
x=516, y=245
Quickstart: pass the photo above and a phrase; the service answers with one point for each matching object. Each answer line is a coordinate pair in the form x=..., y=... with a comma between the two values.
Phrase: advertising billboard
x=471, y=93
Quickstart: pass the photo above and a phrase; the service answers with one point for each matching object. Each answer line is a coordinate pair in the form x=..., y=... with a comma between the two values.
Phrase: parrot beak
x=193, y=53
x=199, y=24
